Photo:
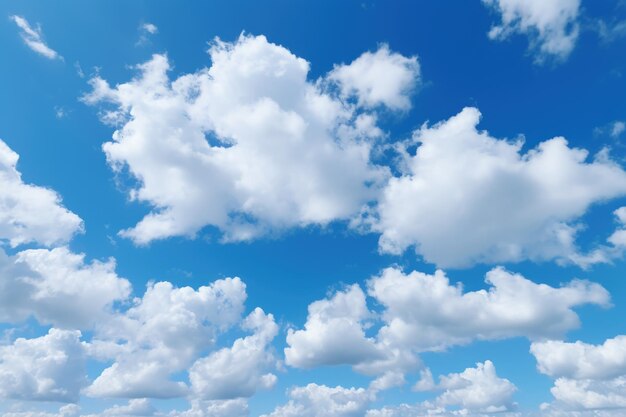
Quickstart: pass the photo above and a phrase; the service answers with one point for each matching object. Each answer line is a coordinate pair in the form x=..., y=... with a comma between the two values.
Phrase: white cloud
x=29, y=213
x=426, y=312
x=467, y=197
x=618, y=237
x=149, y=28
x=590, y=394
x=477, y=389
x=135, y=407
x=47, y=368
x=474, y=391
x=67, y=410
x=379, y=78
x=163, y=333
x=617, y=128
x=333, y=333
x=33, y=37
x=145, y=31
x=551, y=25
x=216, y=408
x=319, y=400
x=241, y=370
x=57, y=287
x=248, y=145
x=580, y=360
x=587, y=376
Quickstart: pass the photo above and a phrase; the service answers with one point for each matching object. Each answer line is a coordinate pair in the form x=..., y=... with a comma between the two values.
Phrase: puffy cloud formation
x=333, y=332
x=423, y=312
x=57, y=287
x=590, y=394
x=135, y=407
x=33, y=38
x=29, y=213
x=319, y=400
x=587, y=376
x=379, y=78
x=467, y=197
x=580, y=360
x=477, y=389
x=163, y=333
x=427, y=312
x=47, y=368
x=241, y=370
x=474, y=391
x=618, y=238
x=215, y=408
x=67, y=410
x=551, y=25
x=249, y=145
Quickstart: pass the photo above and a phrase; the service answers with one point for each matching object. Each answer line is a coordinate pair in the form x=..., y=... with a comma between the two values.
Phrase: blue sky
x=338, y=209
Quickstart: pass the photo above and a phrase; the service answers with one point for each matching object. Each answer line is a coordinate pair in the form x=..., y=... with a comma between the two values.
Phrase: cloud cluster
x=471, y=392
x=144, y=342
x=252, y=147
x=315, y=400
x=588, y=377
x=47, y=368
x=423, y=312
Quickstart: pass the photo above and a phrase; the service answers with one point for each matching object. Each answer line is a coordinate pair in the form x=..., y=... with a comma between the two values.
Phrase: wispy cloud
x=145, y=31
x=33, y=38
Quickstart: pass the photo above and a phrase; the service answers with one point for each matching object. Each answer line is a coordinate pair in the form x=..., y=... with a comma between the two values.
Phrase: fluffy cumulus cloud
x=379, y=78
x=587, y=376
x=163, y=333
x=58, y=287
x=33, y=38
x=55, y=286
x=422, y=312
x=618, y=238
x=333, y=333
x=427, y=312
x=315, y=400
x=29, y=213
x=215, y=408
x=67, y=410
x=467, y=197
x=580, y=360
x=238, y=371
x=551, y=25
x=47, y=368
x=249, y=145
x=477, y=389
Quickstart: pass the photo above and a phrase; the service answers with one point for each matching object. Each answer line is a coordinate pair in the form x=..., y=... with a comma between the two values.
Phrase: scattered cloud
x=552, y=26
x=33, y=37
x=467, y=197
x=379, y=78
x=422, y=312
x=476, y=389
x=145, y=31
x=588, y=377
x=30, y=213
x=316, y=400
